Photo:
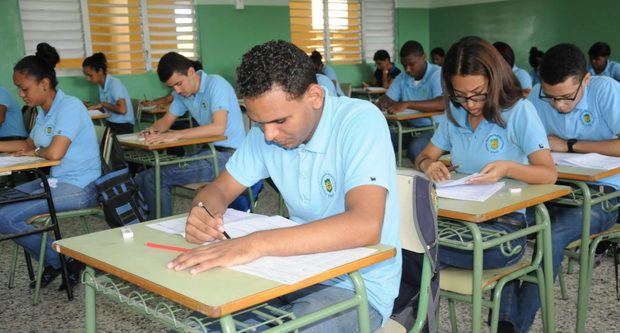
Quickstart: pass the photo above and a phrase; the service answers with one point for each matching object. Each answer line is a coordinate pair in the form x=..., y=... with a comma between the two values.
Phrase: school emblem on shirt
x=48, y=130
x=494, y=143
x=328, y=185
x=586, y=118
x=203, y=105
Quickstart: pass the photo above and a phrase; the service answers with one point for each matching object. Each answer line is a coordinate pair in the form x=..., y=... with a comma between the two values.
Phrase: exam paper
x=95, y=113
x=470, y=192
x=590, y=160
x=375, y=89
x=455, y=182
x=8, y=160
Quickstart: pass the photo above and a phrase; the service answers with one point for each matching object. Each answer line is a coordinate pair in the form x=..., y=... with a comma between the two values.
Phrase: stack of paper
x=287, y=270
x=93, y=113
x=459, y=189
x=8, y=160
x=590, y=161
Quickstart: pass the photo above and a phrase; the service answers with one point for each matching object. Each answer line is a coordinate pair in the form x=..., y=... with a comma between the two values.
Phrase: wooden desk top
x=40, y=163
x=132, y=141
x=411, y=114
x=217, y=292
x=501, y=203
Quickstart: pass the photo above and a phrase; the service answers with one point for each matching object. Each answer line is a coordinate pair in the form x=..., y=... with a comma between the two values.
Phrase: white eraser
x=515, y=190
x=127, y=233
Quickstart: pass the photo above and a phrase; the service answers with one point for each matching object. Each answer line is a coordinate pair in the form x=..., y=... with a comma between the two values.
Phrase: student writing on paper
x=581, y=113
x=525, y=80
x=330, y=158
x=321, y=68
x=11, y=120
x=386, y=70
x=417, y=88
x=113, y=96
x=437, y=56
x=63, y=131
x=212, y=102
x=492, y=130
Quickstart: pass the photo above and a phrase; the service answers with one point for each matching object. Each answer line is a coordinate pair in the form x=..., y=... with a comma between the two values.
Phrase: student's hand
x=201, y=227
x=437, y=172
x=557, y=144
x=148, y=103
x=226, y=253
x=29, y=152
x=365, y=85
x=96, y=107
x=492, y=173
x=169, y=136
x=396, y=107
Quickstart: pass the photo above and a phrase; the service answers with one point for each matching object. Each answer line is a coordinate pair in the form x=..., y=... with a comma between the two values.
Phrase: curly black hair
x=599, y=49
x=560, y=62
x=276, y=62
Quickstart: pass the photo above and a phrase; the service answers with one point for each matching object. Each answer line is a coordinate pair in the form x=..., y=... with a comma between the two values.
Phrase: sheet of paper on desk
x=293, y=269
x=406, y=112
x=95, y=113
x=470, y=192
x=455, y=182
x=590, y=160
x=8, y=160
x=129, y=137
x=375, y=89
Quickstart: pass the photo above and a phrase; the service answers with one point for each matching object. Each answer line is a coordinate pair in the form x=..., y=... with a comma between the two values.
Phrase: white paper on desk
x=470, y=192
x=590, y=160
x=95, y=113
x=129, y=137
x=293, y=269
x=455, y=182
x=406, y=112
x=375, y=89
x=8, y=160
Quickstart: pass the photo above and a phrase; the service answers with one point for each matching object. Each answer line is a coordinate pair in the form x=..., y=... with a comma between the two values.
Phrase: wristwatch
x=570, y=143
x=36, y=151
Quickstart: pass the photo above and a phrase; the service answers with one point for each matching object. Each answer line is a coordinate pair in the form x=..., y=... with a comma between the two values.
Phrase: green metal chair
x=105, y=140
x=410, y=240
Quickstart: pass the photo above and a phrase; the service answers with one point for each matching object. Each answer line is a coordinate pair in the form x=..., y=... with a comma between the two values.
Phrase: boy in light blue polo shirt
x=114, y=98
x=418, y=87
x=321, y=152
x=581, y=114
x=11, y=120
x=326, y=83
x=525, y=80
x=326, y=70
x=212, y=102
x=599, y=61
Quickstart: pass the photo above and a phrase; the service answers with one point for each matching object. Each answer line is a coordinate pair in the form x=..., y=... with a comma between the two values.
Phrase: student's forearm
x=431, y=105
x=202, y=131
x=120, y=109
x=15, y=145
x=607, y=147
x=533, y=174
x=214, y=198
x=384, y=102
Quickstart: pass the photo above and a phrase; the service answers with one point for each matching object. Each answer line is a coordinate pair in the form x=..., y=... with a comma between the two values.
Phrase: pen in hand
x=200, y=204
x=453, y=167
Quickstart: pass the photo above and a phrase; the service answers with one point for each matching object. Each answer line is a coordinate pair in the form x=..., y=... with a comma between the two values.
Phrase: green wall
x=527, y=23
x=11, y=42
x=412, y=24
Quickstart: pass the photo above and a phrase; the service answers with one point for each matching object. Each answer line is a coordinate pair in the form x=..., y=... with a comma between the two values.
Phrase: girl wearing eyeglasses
x=490, y=130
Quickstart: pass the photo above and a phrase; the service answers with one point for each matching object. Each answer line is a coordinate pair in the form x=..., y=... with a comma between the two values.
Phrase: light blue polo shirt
x=13, y=124
x=612, y=70
x=472, y=150
x=68, y=117
x=534, y=76
x=113, y=90
x=596, y=116
x=331, y=74
x=326, y=83
x=214, y=94
x=524, y=78
x=405, y=88
x=350, y=147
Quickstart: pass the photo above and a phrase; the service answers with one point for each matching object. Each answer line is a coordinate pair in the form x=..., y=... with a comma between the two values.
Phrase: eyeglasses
x=478, y=98
x=563, y=100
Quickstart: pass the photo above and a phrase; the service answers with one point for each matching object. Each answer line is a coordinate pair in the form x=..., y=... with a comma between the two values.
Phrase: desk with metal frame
x=582, y=195
x=13, y=196
x=99, y=117
x=470, y=213
x=150, y=155
x=371, y=93
x=217, y=293
x=399, y=118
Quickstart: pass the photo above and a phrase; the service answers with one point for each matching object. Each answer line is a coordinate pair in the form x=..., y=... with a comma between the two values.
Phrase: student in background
x=326, y=83
x=417, y=88
x=113, y=96
x=437, y=56
x=581, y=114
x=491, y=130
x=534, y=60
x=63, y=131
x=386, y=71
x=166, y=100
x=321, y=68
x=212, y=102
x=599, y=61
x=305, y=138
x=11, y=120
x=525, y=80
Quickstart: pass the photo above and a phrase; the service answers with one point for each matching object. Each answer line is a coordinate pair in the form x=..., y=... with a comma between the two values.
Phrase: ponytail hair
x=40, y=65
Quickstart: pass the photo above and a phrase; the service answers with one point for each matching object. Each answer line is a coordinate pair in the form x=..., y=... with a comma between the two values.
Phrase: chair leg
x=13, y=266
x=452, y=310
x=40, y=267
x=29, y=265
x=544, y=311
x=563, y=292
x=571, y=264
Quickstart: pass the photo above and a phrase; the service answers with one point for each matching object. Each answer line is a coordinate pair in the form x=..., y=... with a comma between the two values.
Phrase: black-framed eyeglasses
x=478, y=98
x=563, y=100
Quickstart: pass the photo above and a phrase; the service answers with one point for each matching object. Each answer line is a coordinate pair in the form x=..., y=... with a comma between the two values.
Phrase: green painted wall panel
x=226, y=34
x=412, y=24
x=527, y=23
x=11, y=42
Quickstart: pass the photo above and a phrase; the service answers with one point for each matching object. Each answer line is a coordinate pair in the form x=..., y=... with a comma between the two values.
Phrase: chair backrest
x=30, y=116
x=346, y=89
x=104, y=136
x=409, y=238
x=137, y=112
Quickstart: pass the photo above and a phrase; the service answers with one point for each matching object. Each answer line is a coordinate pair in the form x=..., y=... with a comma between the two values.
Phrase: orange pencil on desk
x=167, y=247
